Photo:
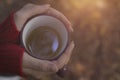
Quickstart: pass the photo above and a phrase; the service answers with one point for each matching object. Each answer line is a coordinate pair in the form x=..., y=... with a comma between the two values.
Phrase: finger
x=31, y=10
x=32, y=73
x=57, y=14
x=37, y=64
x=46, y=66
x=27, y=12
x=60, y=62
x=36, y=10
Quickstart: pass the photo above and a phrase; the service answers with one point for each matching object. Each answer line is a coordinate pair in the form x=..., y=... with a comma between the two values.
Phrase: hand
x=27, y=12
x=36, y=67
x=30, y=10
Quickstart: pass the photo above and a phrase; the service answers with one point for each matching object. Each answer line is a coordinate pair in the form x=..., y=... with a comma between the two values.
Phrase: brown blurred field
x=96, y=35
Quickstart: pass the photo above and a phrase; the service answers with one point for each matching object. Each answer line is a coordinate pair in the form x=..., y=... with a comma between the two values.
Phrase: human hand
x=31, y=10
x=36, y=67
x=27, y=12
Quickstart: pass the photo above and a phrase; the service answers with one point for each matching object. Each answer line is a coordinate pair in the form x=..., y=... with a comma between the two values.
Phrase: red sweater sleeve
x=10, y=53
x=11, y=59
x=8, y=31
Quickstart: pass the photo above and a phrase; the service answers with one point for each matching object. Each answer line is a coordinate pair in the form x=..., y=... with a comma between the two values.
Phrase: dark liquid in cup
x=44, y=43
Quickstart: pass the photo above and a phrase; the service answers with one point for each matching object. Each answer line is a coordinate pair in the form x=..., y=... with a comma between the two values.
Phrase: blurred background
x=96, y=35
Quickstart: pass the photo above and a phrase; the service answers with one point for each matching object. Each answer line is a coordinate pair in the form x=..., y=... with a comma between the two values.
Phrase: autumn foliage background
x=96, y=35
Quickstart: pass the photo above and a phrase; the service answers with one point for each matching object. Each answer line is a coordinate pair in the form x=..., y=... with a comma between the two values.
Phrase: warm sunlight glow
x=81, y=4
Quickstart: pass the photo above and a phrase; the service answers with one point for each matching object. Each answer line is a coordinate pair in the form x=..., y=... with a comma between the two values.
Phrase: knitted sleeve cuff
x=8, y=31
x=11, y=59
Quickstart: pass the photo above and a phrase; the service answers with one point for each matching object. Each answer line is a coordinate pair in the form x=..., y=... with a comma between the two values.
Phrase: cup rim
x=56, y=57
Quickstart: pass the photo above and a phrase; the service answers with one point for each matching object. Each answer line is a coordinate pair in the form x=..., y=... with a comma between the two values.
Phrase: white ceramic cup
x=45, y=20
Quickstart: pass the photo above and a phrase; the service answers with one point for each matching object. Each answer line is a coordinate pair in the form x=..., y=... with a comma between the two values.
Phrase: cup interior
x=45, y=20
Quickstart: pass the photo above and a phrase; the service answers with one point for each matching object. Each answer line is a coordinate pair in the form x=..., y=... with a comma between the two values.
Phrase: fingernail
x=73, y=43
x=47, y=5
x=71, y=28
x=53, y=68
